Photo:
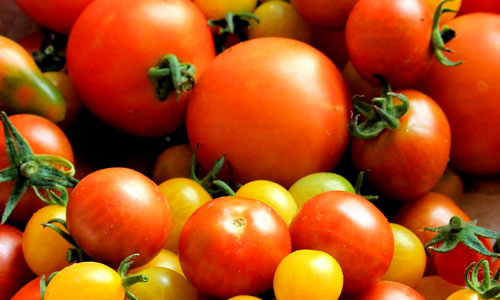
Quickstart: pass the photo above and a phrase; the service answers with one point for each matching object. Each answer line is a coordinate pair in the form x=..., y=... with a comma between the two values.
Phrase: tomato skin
x=116, y=212
x=31, y=291
x=44, y=137
x=217, y=9
x=14, y=273
x=416, y=153
x=389, y=290
x=232, y=246
x=325, y=13
x=352, y=230
x=472, y=6
x=163, y=284
x=434, y=287
x=464, y=294
x=270, y=108
x=172, y=162
x=110, y=44
x=475, y=146
x=62, y=81
x=164, y=259
x=390, y=38
x=23, y=87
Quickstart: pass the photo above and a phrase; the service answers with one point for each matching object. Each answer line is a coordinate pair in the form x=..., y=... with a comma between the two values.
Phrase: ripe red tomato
x=406, y=163
x=389, y=290
x=272, y=113
x=475, y=144
x=232, y=246
x=44, y=137
x=472, y=6
x=31, y=291
x=325, y=13
x=390, y=38
x=115, y=212
x=352, y=230
x=14, y=272
x=109, y=56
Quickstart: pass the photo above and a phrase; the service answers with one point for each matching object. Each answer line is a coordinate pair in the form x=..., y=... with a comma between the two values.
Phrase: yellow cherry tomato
x=163, y=284
x=455, y=5
x=279, y=19
x=409, y=260
x=464, y=294
x=217, y=9
x=44, y=249
x=272, y=194
x=434, y=287
x=86, y=281
x=172, y=162
x=184, y=196
x=244, y=297
x=165, y=259
x=308, y=274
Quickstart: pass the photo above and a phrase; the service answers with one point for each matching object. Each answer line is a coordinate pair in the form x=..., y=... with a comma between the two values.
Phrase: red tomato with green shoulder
x=272, y=113
x=121, y=70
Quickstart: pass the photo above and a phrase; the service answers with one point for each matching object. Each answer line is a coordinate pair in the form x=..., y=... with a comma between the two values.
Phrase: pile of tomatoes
x=245, y=149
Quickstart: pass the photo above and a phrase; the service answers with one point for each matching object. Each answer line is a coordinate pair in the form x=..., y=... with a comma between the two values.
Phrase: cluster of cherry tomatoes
x=256, y=129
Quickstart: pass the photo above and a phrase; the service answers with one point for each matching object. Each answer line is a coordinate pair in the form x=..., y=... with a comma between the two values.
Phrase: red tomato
x=389, y=290
x=472, y=6
x=274, y=112
x=232, y=246
x=332, y=43
x=14, y=272
x=390, y=38
x=44, y=137
x=352, y=230
x=53, y=14
x=406, y=163
x=475, y=144
x=325, y=13
x=31, y=291
x=115, y=212
x=109, y=57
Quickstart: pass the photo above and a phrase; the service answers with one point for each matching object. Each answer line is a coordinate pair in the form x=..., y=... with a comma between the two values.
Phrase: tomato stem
x=440, y=37
x=488, y=288
x=74, y=254
x=359, y=184
x=171, y=75
x=51, y=56
x=232, y=23
x=128, y=281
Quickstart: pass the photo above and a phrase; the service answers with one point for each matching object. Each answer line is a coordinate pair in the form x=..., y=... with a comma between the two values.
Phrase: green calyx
x=232, y=23
x=457, y=231
x=128, y=281
x=171, y=75
x=74, y=254
x=51, y=56
x=359, y=184
x=44, y=282
x=440, y=37
x=379, y=115
x=488, y=288
x=49, y=176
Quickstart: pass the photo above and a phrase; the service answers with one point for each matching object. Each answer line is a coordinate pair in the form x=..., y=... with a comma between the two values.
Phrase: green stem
x=232, y=23
x=171, y=75
x=439, y=38
x=128, y=281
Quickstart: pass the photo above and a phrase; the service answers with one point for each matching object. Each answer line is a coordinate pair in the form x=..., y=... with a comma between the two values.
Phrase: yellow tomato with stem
x=464, y=294
x=164, y=259
x=217, y=9
x=163, y=284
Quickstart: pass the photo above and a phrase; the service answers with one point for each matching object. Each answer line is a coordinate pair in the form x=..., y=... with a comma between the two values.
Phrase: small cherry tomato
x=31, y=291
x=325, y=13
x=389, y=290
x=163, y=284
x=217, y=9
x=164, y=259
x=434, y=287
x=172, y=162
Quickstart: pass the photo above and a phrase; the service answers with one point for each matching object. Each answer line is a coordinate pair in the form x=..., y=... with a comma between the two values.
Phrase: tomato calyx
x=172, y=75
x=488, y=288
x=74, y=254
x=51, y=56
x=44, y=282
x=440, y=37
x=49, y=176
x=466, y=233
x=232, y=23
x=359, y=184
x=379, y=115
x=128, y=281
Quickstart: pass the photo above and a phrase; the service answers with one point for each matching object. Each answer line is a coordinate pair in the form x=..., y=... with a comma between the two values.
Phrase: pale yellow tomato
x=308, y=274
x=165, y=259
x=408, y=263
x=272, y=194
x=464, y=294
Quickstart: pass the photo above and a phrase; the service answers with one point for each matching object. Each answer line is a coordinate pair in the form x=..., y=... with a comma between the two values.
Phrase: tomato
x=324, y=13
x=464, y=294
x=408, y=262
x=272, y=113
x=389, y=290
x=454, y=5
x=434, y=287
x=279, y=18
x=308, y=274
x=474, y=147
x=407, y=162
x=44, y=137
x=44, y=249
x=244, y=297
x=74, y=282
x=390, y=38
x=313, y=184
x=184, y=196
x=73, y=105
x=163, y=284
x=272, y=194
x=357, y=85
x=450, y=185
x=219, y=8
x=31, y=291
x=472, y=6
x=134, y=107
x=53, y=14
x=23, y=88
x=14, y=273
x=332, y=43
x=172, y=162
x=352, y=230
x=232, y=246
x=115, y=212
x=164, y=259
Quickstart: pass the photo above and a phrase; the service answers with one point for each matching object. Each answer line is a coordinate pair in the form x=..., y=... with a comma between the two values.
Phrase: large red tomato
x=14, y=272
x=44, y=137
x=469, y=94
x=114, y=44
x=406, y=163
x=116, y=212
x=232, y=246
x=277, y=108
x=352, y=230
